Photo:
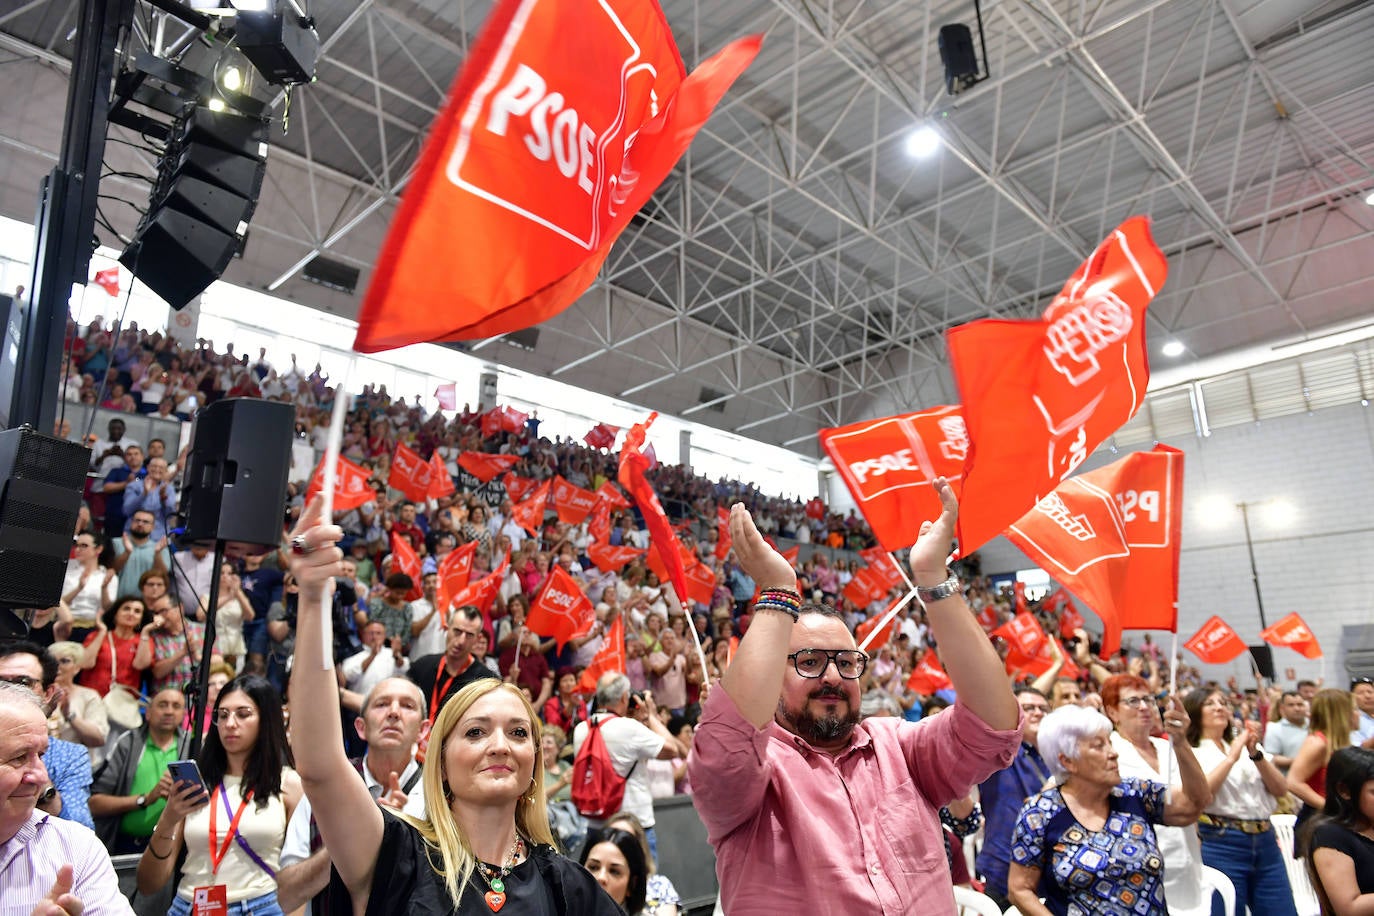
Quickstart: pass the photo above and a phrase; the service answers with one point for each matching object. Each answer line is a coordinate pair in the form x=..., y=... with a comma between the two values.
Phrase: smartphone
x=187, y=771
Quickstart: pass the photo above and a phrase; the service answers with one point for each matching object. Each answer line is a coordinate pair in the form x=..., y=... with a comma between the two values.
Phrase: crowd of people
x=444, y=738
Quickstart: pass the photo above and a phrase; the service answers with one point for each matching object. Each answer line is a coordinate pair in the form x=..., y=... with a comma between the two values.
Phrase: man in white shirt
x=394, y=718
x=629, y=742
x=1362, y=688
x=376, y=662
x=191, y=571
x=1283, y=738
x=108, y=454
x=427, y=636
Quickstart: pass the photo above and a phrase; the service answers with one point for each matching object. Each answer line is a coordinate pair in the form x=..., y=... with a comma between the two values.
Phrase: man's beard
x=825, y=729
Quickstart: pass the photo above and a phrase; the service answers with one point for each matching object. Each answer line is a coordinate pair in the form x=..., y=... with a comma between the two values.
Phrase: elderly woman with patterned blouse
x=1086, y=845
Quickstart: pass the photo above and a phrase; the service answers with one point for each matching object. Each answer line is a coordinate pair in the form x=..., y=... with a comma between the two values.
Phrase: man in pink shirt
x=805, y=805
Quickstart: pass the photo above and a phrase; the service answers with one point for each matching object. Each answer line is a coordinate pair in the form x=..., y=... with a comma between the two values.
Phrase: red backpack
x=597, y=789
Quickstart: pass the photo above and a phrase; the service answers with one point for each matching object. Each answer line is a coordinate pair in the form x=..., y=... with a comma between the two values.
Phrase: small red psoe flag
x=612, y=495
x=350, y=485
x=929, y=675
x=571, y=502
x=610, y=657
x=440, y=483
x=599, y=526
x=410, y=474
x=512, y=420
x=404, y=559
x=447, y=396
x=487, y=467
x=108, y=280
x=815, y=509
x=792, y=555
x=491, y=423
x=1111, y=536
x=1018, y=591
x=1024, y=634
x=1293, y=632
x=529, y=514
x=701, y=582
x=723, y=542
x=886, y=636
x=1216, y=643
x=610, y=559
x=602, y=435
x=987, y=618
x=564, y=119
x=888, y=466
x=633, y=463
x=865, y=587
x=517, y=487
x=482, y=593
x=882, y=565
x=1039, y=396
x=454, y=574
x=561, y=610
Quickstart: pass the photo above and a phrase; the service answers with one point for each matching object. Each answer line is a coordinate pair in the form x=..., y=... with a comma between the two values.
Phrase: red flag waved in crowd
x=487, y=467
x=1293, y=632
x=610, y=657
x=108, y=280
x=404, y=559
x=564, y=119
x=929, y=675
x=609, y=559
x=1216, y=643
x=561, y=610
x=350, y=485
x=529, y=514
x=888, y=466
x=571, y=502
x=440, y=483
x=633, y=463
x=602, y=435
x=410, y=474
x=482, y=593
x=454, y=573
x=613, y=497
x=447, y=396
x=1040, y=395
x=1111, y=536
x=517, y=487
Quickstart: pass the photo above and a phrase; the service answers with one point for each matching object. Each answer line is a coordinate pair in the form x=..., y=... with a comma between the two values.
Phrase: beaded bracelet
x=779, y=599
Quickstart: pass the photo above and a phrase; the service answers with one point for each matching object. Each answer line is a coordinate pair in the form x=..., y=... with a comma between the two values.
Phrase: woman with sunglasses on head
x=487, y=845
x=233, y=835
x=1328, y=730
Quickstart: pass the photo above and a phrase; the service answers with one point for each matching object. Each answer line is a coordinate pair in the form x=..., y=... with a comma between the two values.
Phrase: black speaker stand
x=207, y=647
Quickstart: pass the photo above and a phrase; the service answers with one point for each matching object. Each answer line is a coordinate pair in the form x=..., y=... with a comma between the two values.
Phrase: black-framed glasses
x=850, y=663
x=22, y=680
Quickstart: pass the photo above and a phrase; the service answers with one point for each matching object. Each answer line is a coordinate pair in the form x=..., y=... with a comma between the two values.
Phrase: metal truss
x=798, y=269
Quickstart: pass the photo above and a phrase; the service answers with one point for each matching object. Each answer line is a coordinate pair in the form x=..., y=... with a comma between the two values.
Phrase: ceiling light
x=922, y=143
x=232, y=79
x=216, y=105
x=1172, y=348
x=1369, y=198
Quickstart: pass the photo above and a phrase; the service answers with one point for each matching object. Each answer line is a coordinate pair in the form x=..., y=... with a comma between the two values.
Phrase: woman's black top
x=406, y=880
x=1359, y=847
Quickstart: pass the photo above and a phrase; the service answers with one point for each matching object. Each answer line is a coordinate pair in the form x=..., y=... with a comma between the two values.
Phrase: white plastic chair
x=972, y=903
x=1214, y=880
x=1303, y=895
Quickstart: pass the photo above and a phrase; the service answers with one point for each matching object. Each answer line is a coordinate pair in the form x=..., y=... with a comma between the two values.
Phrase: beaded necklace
x=495, y=878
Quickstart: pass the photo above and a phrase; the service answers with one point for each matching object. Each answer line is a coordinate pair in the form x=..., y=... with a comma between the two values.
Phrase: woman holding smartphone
x=233, y=833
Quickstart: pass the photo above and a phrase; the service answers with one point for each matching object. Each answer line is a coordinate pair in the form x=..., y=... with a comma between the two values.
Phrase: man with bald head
x=392, y=722
x=48, y=866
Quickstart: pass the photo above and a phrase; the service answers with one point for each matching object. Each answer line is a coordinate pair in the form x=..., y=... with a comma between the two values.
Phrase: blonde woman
x=79, y=717
x=487, y=846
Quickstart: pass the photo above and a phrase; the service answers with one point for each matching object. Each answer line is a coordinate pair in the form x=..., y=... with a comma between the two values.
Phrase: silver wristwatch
x=945, y=589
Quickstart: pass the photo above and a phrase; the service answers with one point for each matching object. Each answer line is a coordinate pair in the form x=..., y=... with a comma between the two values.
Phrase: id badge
x=210, y=901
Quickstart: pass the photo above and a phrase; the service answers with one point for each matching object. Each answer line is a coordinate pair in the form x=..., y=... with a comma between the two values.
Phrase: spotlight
x=1172, y=348
x=922, y=143
x=216, y=105
x=1369, y=198
x=232, y=79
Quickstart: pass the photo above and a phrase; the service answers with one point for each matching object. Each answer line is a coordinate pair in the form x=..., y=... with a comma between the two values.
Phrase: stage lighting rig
x=276, y=35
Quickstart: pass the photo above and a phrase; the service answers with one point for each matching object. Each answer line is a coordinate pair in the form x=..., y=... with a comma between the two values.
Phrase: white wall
x=1320, y=563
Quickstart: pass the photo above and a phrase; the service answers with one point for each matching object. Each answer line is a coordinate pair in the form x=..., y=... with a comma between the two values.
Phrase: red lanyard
x=437, y=693
x=216, y=857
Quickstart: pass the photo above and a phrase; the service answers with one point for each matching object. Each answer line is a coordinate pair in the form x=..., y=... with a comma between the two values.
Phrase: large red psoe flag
x=517, y=487
x=1293, y=632
x=410, y=474
x=1216, y=643
x=1039, y=396
x=561, y=610
x=888, y=465
x=350, y=485
x=1111, y=536
x=454, y=573
x=929, y=675
x=487, y=467
x=482, y=593
x=610, y=657
x=571, y=502
x=662, y=541
x=882, y=565
x=564, y=119
x=602, y=435
x=529, y=514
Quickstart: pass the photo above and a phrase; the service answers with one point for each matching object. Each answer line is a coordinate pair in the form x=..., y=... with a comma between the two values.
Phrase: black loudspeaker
x=956, y=52
x=283, y=47
x=208, y=182
x=236, y=472
x=1263, y=657
x=42, y=482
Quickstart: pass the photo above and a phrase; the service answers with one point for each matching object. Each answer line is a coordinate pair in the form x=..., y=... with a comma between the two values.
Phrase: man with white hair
x=48, y=867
